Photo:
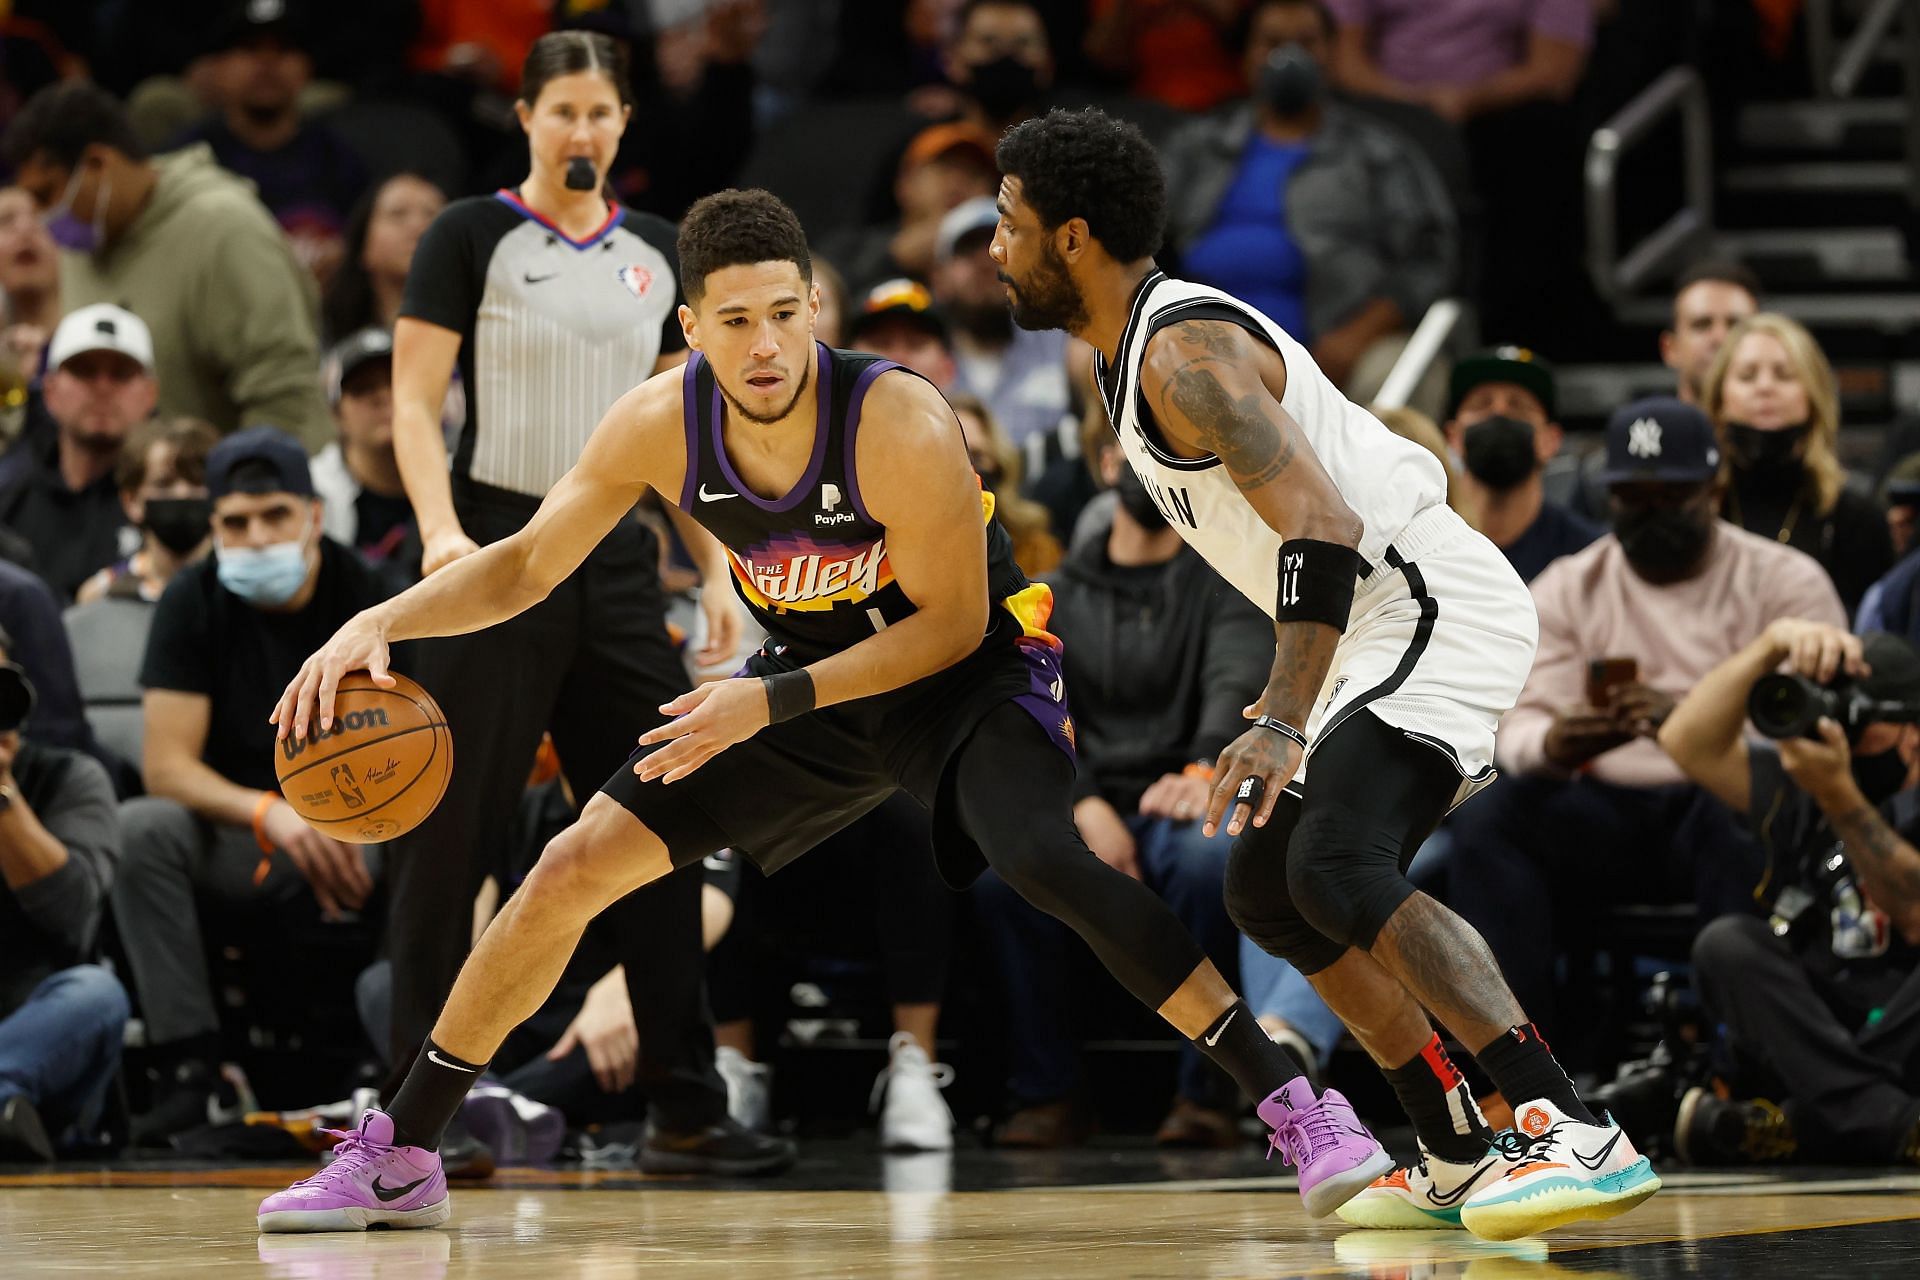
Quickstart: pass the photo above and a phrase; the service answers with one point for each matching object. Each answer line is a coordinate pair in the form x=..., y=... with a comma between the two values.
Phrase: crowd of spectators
x=205, y=243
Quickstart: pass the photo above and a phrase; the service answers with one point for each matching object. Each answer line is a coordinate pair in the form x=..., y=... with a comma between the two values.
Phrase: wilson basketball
x=378, y=771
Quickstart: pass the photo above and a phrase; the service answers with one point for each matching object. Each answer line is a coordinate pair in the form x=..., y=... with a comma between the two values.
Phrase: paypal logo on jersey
x=830, y=500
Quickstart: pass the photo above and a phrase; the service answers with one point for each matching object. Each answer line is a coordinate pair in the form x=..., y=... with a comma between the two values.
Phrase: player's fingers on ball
x=329, y=685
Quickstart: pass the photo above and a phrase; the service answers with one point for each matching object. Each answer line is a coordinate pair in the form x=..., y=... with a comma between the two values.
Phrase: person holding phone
x=1590, y=804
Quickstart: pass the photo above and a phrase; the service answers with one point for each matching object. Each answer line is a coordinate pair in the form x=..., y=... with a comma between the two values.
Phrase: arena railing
x=1428, y=341
x=1617, y=275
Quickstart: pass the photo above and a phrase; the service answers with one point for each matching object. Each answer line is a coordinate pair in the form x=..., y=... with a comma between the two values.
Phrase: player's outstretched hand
x=1249, y=776
x=359, y=645
x=707, y=721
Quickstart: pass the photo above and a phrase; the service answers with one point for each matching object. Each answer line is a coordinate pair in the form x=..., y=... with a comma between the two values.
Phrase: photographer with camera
x=1823, y=998
x=61, y=1019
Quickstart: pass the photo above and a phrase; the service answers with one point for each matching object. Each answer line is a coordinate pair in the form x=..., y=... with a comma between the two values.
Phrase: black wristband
x=789, y=694
x=1282, y=728
x=1316, y=582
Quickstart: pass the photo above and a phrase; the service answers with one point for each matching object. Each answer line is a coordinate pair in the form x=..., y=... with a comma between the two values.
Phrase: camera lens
x=1788, y=706
x=16, y=697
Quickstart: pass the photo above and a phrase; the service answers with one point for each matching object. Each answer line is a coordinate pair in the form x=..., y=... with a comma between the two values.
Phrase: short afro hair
x=734, y=228
x=1086, y=164
x=61, y=121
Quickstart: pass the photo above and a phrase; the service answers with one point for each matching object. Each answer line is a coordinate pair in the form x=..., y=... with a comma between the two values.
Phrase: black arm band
x=1282, y=728
x=1316, y=582
x=789, y=694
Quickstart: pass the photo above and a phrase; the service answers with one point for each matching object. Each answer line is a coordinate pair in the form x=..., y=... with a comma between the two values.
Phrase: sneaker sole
x=1391, y=1213
x=357, y=1219
x=1329, y=1195
x=1561, y=1201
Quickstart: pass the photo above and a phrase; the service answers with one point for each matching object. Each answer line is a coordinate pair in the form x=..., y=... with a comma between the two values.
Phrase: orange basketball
x=378, y=772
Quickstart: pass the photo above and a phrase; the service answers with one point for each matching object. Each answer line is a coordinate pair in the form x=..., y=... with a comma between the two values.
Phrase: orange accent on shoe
x=1534, y=1121
x=1398, y=1178
x=1525, y=1169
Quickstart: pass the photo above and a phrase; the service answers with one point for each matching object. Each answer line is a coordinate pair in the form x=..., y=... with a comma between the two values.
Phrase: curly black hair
x=1086, y=164
x=734, y=228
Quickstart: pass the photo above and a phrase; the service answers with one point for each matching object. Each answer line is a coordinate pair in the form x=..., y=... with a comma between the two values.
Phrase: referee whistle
x=580, y=174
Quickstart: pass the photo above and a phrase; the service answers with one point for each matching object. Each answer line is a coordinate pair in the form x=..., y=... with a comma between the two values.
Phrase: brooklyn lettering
x=1174, y=503
x=371, y=718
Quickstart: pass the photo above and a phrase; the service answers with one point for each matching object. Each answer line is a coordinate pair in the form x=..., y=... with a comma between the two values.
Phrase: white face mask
x=266, y=576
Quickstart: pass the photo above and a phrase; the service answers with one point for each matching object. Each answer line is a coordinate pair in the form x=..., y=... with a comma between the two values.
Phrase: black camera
x=16, y=697
x=1784, y=705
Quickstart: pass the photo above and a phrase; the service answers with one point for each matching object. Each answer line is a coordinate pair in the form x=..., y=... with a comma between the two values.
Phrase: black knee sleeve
x=1260, y=903
x=1344, y=875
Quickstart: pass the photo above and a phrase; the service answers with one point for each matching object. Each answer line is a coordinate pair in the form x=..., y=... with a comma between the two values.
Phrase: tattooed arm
x=1888, y=867
x=1215, y=389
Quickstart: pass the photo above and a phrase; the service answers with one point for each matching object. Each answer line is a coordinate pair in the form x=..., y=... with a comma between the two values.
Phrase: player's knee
x=1343, y=880
x=1261, y=907
x=1037, y=871
x=576, y=875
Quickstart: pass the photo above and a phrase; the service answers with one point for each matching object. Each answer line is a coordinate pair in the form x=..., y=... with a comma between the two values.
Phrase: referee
x=555, y=302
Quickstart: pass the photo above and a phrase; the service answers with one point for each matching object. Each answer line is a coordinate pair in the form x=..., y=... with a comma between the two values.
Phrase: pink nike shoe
x=1323, y=1139
x=370, y=1182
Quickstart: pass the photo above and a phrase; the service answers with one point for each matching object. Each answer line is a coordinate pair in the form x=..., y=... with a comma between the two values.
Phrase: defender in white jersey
x=1401, y=638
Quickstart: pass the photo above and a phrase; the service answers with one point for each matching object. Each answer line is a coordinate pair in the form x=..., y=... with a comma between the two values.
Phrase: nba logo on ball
x=377, y=771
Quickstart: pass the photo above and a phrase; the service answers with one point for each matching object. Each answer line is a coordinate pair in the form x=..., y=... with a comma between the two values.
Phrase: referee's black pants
x=591, y=664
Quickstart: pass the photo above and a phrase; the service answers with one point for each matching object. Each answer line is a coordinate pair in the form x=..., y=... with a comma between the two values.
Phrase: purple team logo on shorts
x=1046, y=696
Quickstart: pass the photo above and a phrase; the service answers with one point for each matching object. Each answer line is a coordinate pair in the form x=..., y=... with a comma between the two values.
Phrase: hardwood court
x=1109, y=1224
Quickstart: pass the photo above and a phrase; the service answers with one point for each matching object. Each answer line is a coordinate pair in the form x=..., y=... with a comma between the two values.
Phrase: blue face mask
x=265, y=576
x=77, y=234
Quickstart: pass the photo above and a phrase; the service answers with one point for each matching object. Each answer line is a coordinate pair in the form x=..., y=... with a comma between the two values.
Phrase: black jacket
x=1159, y=662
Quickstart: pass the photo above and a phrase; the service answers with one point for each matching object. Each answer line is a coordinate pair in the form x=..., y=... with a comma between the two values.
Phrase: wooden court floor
x=1111, y=1222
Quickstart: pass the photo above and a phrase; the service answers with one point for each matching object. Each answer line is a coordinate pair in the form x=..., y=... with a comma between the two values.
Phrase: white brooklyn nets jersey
x=1442, y=631
x=1385, y=480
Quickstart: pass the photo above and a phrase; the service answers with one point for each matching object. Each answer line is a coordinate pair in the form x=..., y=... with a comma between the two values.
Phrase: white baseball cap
x=101, y=327
x=977, y=214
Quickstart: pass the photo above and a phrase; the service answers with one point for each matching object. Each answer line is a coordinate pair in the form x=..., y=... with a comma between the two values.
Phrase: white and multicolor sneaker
x=1563, y=1171
x=1426, y=1196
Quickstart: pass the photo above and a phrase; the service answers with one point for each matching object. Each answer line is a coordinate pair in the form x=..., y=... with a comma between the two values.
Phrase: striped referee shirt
x=553, y=330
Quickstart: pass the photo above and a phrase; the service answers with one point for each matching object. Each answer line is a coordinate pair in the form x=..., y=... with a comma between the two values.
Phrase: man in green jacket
x=185, y=246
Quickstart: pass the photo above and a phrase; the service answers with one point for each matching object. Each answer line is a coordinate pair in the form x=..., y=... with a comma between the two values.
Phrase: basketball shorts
x=790, y=786
x=1439, y=645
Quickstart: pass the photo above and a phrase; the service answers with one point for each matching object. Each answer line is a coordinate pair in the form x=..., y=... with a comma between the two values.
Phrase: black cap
x=1663, y=440
x=249, y=20
x=1518, y=365
x=903, y=300
x=1895, y=674
x=270, y=445
x=351, y=353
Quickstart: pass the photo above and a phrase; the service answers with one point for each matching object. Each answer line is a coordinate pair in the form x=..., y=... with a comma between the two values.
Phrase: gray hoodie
x=233, y=314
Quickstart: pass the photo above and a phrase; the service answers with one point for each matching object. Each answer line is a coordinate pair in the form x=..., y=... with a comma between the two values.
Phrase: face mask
x=1662, y=544
x=1879, y=777
x=1290, y=83
x=73, y=233
x=1138, y=503
x=180, y=524
x=265, y=576
x=1499, y=452
x=1002, y=86
x=1757, y=450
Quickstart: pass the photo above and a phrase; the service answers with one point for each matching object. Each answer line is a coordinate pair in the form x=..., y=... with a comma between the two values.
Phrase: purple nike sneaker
x=1323, y=1139
x=371, y=1183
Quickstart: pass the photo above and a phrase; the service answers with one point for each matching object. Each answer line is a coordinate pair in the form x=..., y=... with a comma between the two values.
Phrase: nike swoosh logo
x=705, y=496
x=1220, y=1030
x=1600, y=1156
x=530, y=278
x=435, y=1057
x=1453, y=1197
x=386, y=1195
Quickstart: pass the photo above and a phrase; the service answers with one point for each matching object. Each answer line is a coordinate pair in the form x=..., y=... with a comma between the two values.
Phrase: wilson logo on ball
x=352, y=721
